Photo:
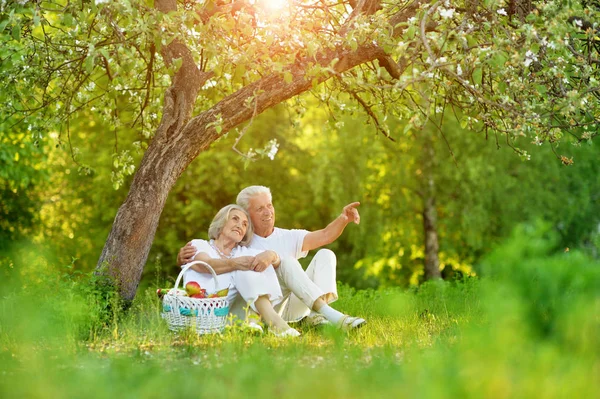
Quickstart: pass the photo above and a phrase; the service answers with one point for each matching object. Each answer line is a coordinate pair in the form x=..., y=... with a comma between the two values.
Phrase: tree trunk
x=178, y=141
x=432, y=261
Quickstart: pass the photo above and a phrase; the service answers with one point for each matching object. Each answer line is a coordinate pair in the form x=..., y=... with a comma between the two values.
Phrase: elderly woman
x=253, y=278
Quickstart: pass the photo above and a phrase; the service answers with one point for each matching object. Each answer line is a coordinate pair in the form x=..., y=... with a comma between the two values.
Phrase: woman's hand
x=264, y=260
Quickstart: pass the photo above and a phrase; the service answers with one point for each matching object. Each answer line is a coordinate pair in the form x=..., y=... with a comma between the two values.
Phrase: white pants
x=252, y=285
x=302, y=288
x=248, y=284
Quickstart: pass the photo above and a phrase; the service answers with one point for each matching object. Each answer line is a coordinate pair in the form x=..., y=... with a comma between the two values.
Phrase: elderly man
x=309, y=292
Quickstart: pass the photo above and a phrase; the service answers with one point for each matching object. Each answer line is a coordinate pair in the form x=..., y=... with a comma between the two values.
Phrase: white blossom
x=501, y=11
x=529, y=58
x=273, y=150
x=446, y=12
x=459, y=70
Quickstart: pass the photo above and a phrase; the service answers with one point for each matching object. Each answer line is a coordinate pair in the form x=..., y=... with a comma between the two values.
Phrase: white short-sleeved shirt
x=287, y=243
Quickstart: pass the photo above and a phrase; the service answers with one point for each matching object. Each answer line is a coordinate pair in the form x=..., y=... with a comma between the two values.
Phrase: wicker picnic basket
x=206, y=315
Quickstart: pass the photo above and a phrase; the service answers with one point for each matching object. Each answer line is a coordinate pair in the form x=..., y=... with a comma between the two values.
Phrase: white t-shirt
x=287, y=243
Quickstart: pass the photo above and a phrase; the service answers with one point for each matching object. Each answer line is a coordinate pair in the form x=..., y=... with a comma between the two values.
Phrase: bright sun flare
x=275, y=4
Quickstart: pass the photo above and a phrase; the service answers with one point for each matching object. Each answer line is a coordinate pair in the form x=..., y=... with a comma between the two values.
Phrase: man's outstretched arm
x=329, y=234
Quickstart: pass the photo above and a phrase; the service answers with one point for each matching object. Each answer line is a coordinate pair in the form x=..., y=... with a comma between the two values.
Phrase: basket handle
x=188, y=265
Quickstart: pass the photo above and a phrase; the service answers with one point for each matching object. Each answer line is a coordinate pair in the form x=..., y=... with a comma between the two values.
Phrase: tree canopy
x=168, y=79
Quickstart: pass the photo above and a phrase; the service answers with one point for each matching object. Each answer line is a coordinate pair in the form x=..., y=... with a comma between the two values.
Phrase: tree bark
x=432, y=261
x=128, y=244
x=179, y=140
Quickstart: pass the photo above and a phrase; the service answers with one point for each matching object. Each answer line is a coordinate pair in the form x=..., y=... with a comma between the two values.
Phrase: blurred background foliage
x=59, y=197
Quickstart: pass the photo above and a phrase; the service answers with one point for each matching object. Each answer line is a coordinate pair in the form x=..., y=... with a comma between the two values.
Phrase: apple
x=193, y=288
x=198, y=296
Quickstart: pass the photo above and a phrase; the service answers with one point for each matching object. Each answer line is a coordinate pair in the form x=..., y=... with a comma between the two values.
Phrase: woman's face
x=235, y=228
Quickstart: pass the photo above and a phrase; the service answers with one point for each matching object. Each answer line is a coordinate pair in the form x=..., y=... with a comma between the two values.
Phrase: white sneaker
x=317, y=320
x=350, y=323
x=253, y=326
x=290, y=332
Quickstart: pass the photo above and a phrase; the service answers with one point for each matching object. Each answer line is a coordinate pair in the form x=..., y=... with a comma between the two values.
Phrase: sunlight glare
x=275, y=5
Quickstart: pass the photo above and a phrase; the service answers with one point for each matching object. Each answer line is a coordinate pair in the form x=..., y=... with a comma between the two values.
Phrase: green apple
x=193, y=288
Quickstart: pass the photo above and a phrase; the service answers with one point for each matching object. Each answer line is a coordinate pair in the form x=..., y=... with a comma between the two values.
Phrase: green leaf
x=531, y=18
x=89, y=64
x=104, y=52
x=463, y=123
x=502, y=86
x=177, y=62
x=68, y=19
x=239, y=72
x=3, y=25
x=311, y=49
x=353, y=44
x=477, y=74
x=541, y=89
x=288, y=77
x=498, y=60
x=16, y=32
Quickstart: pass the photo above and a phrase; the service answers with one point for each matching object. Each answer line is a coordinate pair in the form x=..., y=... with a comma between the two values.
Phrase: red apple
x=193, y=288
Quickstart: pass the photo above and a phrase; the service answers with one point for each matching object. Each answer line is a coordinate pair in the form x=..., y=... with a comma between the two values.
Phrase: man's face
x=262, y=214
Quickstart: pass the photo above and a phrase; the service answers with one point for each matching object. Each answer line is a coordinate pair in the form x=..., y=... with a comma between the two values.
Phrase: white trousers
x=302, y=288
x=252, y=285
x=248, y=284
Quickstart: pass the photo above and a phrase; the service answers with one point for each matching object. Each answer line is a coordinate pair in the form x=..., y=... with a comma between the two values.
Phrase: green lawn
x=530, y=328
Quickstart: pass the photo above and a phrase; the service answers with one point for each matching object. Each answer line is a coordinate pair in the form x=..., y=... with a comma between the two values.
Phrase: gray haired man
x=307, y=293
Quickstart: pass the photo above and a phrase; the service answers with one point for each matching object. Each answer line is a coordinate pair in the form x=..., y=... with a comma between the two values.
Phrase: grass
x=528, y=328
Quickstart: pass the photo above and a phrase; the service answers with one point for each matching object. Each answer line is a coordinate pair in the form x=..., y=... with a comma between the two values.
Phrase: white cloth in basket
x=249, y=284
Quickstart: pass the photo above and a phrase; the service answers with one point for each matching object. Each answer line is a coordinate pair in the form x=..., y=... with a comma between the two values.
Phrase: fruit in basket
x=193, y=288
x=162, y=291
x=200, y=295
x=223, y=292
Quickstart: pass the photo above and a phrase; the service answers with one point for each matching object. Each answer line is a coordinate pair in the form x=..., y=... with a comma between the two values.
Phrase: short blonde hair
x=216, y=226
